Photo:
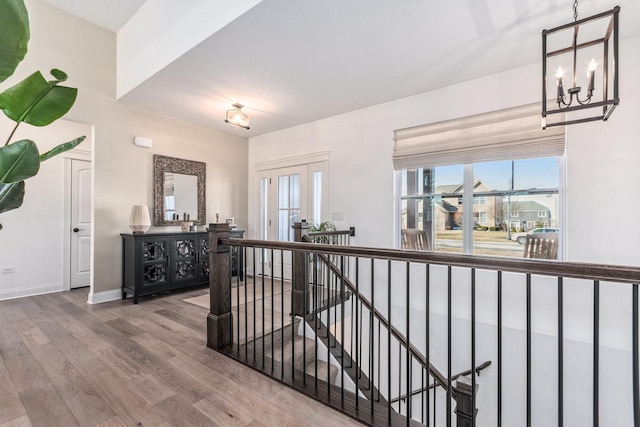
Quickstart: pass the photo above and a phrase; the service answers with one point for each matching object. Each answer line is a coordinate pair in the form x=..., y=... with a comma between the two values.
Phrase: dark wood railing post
x=464, y=403
x=219, y=320
x=300, y=230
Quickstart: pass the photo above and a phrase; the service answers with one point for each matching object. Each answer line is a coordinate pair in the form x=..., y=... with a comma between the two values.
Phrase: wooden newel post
x=300, y=230
x=464, y=407
x=219, y=320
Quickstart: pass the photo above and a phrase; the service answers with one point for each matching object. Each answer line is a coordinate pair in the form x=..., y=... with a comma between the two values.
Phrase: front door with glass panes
x=283, y=201
x=288, y=195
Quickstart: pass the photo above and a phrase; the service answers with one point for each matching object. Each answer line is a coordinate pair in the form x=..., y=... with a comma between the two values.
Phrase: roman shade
x=514, y=133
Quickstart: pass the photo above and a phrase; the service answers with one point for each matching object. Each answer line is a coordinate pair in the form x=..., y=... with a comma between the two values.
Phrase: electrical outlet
x=7, y=270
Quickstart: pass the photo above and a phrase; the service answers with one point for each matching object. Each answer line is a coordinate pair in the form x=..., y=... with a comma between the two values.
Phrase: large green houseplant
x=34, y=100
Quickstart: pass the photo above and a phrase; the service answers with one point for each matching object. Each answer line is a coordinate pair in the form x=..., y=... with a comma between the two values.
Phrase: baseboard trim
x=104, y=296
x=30, y=291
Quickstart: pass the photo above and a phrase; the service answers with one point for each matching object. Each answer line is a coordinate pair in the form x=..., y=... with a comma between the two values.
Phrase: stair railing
x=339, y=275
x=453, y=309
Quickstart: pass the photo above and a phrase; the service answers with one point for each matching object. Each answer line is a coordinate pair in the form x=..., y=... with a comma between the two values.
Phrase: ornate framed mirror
x=178, y=191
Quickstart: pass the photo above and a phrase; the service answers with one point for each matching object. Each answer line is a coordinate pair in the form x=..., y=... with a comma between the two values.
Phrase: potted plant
x=33, y=100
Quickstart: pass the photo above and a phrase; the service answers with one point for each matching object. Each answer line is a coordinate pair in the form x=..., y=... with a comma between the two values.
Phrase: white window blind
x=514, y=133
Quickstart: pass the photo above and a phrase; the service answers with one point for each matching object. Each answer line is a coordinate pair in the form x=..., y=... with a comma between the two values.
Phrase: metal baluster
x=372, y=358
x=305, y=296
x=449, y=324
x=315, y=315
x=254, y=320
x=329, y=291
x=358, y=332
x=263, y=314
x=273, y=319
x=408, y=343
x=246, y=311
x=499, y=415
x=293, y=327
x=342, y=312
x=435, y=406
x=560, y=353
x=635, y=358
x=282, y=328
x=389, y=341
x=473, y=347
x=427, y=319
x=528, y=350
x=596, y=352
x=399, y=377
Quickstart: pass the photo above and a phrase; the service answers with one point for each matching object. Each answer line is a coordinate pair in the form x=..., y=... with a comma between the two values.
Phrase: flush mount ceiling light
x=584, y=55
x=236, y=117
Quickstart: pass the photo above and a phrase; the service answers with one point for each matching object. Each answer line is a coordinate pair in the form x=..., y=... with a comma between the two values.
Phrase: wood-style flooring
x=66, y=363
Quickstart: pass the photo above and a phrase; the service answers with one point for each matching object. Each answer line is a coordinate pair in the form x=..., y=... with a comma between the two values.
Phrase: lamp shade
x=139, y=220
x=236, y=117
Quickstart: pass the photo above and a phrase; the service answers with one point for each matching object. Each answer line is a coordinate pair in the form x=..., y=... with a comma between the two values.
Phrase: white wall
x=122, y=171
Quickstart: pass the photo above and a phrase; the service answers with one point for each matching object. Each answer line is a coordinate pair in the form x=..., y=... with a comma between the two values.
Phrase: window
x=480, y=217
x=501, y=158
x=506, y=197
x=482, y=200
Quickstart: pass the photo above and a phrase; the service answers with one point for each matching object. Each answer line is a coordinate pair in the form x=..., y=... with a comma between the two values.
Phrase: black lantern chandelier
x=590, y=44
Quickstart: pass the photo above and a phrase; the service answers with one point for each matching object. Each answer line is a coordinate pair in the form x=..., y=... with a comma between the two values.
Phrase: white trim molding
x=304, y=159
x=104, y=296
x=47, y=288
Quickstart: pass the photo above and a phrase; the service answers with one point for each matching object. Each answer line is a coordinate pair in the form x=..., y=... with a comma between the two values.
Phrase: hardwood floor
x=66, y=363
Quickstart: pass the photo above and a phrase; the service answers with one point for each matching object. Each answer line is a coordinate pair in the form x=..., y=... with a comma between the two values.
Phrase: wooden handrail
x=350, y=232
x=577, y=270
x=478, y=369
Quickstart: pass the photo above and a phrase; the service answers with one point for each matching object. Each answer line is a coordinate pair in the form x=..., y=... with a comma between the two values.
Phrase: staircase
x=291, y=352
x=322, y=336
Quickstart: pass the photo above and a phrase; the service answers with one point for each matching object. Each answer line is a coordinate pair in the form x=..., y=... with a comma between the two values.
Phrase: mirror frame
x=162, y=164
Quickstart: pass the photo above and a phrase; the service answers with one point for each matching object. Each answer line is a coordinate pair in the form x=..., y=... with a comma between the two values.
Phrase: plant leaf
x=19, y=161
x=61, y=148
x=14, y=33
x=11, y=196
x=37, y=101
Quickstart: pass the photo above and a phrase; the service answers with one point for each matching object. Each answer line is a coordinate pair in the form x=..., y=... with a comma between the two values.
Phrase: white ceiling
x=292, y=62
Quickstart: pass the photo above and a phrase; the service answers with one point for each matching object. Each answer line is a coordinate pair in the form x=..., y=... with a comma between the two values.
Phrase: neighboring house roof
x=448, y=207
x=527, y=206
x=447, y=189
x=458, y=188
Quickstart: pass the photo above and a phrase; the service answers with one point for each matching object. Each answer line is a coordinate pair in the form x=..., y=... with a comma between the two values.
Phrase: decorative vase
x=139, y=220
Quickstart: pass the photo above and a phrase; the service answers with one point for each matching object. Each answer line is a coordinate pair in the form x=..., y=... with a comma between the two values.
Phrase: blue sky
x=528, y=173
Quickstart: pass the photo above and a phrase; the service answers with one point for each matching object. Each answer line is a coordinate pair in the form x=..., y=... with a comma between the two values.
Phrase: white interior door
x=80, y=226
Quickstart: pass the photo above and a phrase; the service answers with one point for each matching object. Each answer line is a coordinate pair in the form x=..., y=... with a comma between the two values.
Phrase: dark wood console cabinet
x=159, y=262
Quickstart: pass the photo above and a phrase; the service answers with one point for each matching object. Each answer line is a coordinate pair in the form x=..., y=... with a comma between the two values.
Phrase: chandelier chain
x=575, y=10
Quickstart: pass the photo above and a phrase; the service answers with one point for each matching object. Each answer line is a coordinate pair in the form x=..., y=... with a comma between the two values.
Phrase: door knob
x=75, y=230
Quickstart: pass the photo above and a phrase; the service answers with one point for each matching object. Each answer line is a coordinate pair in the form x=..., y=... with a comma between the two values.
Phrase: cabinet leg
x=124, y=294
x=135, y=298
